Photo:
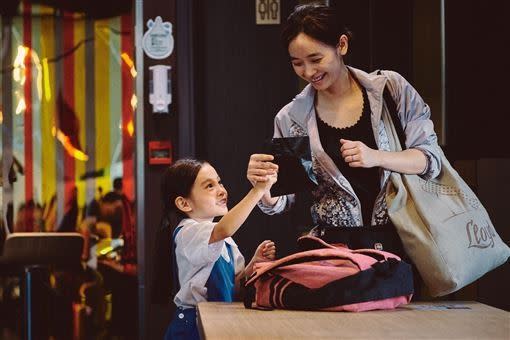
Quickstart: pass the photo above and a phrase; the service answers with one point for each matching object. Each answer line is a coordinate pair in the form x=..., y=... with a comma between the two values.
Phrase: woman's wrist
x=268, y=200
x=379, y=159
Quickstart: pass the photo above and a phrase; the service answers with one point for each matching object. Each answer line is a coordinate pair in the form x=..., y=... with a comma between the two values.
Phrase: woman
x=341, y=111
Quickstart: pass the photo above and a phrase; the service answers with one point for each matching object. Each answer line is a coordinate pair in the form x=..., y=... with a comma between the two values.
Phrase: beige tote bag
x=443, y=226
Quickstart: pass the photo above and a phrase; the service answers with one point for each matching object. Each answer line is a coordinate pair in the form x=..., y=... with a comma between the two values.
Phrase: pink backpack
x=329, y=277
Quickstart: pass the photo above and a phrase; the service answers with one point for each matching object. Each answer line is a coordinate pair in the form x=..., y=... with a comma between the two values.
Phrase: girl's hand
x=266, y=185
x=260, y=167
x=266, y=251
x=358, y=155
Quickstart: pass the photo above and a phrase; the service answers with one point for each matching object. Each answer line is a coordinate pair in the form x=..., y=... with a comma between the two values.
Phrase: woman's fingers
x=262, y=161
x=350, y=152
x=360, y=156
x=258, y=176
x=260, y=167
x=354, y=153
x=260, y=172
x=268, y=166
x=356, y=164
x=347, y=144
x=258, y=157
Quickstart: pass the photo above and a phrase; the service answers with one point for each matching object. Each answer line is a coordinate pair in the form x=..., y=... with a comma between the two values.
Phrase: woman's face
x=316, y=62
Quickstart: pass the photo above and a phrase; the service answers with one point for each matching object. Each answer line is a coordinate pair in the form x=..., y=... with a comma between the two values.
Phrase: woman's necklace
x=348, y=111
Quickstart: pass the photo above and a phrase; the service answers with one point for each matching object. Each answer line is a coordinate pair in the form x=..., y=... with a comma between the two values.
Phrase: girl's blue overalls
x=220, y=287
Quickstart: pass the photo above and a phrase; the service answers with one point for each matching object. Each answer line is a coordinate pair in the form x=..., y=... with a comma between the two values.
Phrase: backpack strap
x=310, y=242
x=392, y=108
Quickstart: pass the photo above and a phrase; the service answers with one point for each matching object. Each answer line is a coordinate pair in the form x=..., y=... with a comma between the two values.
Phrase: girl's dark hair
x=320, y=22
x=177, y=181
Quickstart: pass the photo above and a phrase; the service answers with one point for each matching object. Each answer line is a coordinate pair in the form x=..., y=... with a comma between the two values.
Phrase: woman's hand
x=262, y=172
x=266, y=251
x=358, y=155
x=260, y=167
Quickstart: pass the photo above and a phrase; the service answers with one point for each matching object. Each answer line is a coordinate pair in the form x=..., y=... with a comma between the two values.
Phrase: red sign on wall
x=160, y=152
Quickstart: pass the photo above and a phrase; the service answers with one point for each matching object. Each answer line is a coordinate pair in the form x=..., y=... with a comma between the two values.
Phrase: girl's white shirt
x=196, y=257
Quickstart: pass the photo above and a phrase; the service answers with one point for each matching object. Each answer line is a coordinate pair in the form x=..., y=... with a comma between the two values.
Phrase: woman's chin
x=319, y=86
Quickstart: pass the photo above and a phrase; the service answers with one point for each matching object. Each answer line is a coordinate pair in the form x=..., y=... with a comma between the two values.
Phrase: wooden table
x=422, y=320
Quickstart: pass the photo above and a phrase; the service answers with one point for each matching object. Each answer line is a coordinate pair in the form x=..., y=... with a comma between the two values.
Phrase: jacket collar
x=303, y=103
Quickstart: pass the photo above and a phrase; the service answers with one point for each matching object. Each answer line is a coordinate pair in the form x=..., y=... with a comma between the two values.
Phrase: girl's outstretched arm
x=232, y=220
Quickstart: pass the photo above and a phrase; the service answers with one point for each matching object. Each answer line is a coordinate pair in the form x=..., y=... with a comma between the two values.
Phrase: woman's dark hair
x=320, y=22
x=177, y=181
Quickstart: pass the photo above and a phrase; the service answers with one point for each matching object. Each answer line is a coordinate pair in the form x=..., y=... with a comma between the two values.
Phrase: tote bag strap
x=392, y=108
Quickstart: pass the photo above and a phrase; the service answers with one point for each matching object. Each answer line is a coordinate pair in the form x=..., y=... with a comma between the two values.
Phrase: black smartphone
x=294, y=160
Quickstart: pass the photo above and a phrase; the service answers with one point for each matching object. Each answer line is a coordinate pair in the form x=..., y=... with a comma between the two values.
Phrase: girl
x=207, y=261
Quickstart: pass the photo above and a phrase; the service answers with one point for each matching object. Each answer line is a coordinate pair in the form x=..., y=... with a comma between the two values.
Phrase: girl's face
x=316, y=62
x=208, y=197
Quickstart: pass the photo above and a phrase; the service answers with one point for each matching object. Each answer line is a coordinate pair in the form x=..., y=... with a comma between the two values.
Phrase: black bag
x=294, y=159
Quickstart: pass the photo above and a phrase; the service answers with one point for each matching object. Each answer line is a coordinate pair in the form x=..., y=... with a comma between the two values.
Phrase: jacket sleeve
x=283, y=204
x=414, y=115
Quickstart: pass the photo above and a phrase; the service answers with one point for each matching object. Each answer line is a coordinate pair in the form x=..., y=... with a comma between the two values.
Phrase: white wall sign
x=158, y=42
x=267, y=12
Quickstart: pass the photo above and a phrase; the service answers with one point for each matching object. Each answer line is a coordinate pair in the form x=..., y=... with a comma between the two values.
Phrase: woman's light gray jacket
x=335, y=202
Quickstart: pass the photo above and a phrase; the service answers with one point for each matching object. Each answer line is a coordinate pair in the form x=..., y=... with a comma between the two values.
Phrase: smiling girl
x=207, y=262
